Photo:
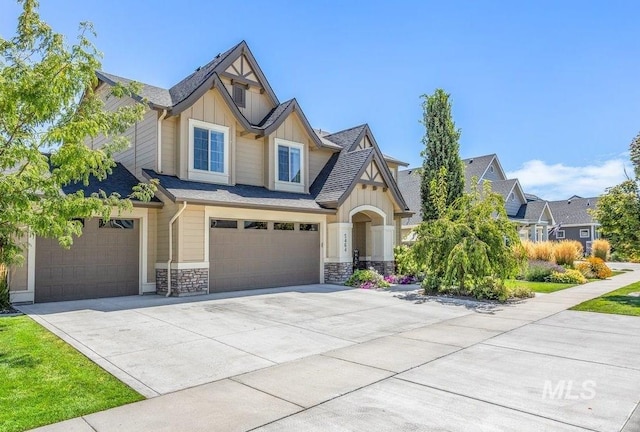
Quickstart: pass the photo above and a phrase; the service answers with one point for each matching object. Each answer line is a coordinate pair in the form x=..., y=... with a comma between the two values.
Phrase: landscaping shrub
x=400, y=279
x=570, y=276
x=601, y=248
x=406, y=261
x=5, y=302
x=598, y=267
x=529, y=250
x=585, y=268
x=490, y=288
x=567, y=251
x=367, y=279
x=521, y=292
x=539, y=271
x=543, y=251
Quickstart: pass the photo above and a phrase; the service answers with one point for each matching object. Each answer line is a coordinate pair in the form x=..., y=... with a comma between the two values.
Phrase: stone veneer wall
x=337, y=273
x=183, y=281
x=383, y=267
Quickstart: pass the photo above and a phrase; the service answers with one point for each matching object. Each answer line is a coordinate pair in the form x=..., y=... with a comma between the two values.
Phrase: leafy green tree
x=618, y=211
x=441, y=151
x=469, y=244
x=48, y=108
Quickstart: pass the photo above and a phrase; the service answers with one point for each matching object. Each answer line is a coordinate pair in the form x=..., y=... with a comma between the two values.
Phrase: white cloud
x=560, y=181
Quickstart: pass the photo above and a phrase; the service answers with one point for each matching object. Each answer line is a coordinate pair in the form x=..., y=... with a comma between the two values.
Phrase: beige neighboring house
x=533, y=218
x=250, y=196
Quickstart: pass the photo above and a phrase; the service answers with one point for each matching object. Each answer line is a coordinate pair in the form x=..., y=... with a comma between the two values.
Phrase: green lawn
x=615, y=302
x=43, y=380
x=539, y=287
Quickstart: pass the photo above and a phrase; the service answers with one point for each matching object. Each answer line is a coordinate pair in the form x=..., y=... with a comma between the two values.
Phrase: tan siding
x=192, y=234
x=249, y=161
x=152, y=250
x=170, y=128
x=367, y=196
x=317, y=160
x=18, y=274
x=163, y=217
x=257, y=104
x=142, y=137
x=210, y=108
x=291, y=129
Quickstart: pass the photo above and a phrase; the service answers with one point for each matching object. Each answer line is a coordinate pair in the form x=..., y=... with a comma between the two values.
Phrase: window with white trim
x=585, y=233
x=208, y=151
x=289, y=165
x=560, y=234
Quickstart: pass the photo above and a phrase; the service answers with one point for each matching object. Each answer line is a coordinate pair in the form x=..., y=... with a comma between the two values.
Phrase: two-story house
x=533, y=219
x=250, y=196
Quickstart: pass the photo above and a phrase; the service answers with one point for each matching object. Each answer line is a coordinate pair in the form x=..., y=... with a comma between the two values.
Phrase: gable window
x=239, y=95
x=289, y=166
x=208, y=151
x=585, y=233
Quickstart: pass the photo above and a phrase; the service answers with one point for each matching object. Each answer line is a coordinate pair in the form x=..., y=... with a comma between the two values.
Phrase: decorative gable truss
x=241, y=69
x=372, y=176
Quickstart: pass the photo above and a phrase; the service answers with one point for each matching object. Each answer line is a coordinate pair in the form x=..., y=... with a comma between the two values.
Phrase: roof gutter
x=173, y=219
x=159, y=150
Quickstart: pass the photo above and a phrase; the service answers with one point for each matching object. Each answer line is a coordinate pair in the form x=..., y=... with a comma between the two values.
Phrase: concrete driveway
x=322, y=357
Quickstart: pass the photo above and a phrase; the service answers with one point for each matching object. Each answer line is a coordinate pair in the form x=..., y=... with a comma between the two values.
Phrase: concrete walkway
x=324, y=358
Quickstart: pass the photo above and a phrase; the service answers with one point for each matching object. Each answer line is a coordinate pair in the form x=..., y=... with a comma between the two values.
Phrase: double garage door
x=103, y=262
x=262, y=254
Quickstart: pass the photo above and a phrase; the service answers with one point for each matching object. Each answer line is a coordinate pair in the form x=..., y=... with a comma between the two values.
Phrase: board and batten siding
x=367, y=196
x=192, y=226
x=18, y=274
x=142, y=136
x=152, y=242
x=290, y=129
x=163, y=216
x=257, y=105
x=249, y=161
x=210, y=108
x=170, y=127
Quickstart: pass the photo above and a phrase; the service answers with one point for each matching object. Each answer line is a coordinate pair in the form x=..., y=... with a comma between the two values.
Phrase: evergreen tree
x=441, y=151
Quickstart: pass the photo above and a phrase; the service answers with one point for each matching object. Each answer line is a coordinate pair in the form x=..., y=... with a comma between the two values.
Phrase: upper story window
x=240, y=95
x=289, y=166
x=208, y=151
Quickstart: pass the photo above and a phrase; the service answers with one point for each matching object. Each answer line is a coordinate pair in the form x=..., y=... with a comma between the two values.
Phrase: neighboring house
x=250, y=196
x=574, y=221
x=533, y=221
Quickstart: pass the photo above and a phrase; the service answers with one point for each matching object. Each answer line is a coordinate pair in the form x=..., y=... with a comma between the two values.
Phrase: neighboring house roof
x=476, y=167
x=504, y=187
x=533, y=211
x=234, y=196
x=120, y=181
x=409, y=182
x=532, y=197
x=574, y=211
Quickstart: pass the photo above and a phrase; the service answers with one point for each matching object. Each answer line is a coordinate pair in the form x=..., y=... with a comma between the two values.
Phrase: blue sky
x=551, y=87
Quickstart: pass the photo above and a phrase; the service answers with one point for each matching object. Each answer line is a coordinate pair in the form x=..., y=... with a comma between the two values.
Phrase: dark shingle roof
x=343, y=174
x=238, y=195
x=532, y=197
x=476, y=167
x=274, y=114
x=409, y=184
x=120, y=181
x=187, y=86
x=155, y=95
x=503, y=187
x=531, y=211
x=573, y=210
x=347, y=137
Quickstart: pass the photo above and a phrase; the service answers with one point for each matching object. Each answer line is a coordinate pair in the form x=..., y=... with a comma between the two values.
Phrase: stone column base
x=184, y=282
x=337, y=272
x=385, y=268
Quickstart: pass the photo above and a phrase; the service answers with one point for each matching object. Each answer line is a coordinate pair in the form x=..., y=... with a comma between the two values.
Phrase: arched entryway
x=366, y=250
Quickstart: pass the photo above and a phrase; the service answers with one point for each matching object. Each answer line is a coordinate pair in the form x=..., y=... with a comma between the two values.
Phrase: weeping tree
x=48, y=108
x=618, y=211
x=470, y=245
x=441, y=151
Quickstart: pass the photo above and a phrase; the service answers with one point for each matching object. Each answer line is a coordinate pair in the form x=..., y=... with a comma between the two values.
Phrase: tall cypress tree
x=442, y=150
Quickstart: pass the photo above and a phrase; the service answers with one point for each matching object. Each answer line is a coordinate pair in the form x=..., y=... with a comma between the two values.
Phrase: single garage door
x=103, y=262
x=260, y=254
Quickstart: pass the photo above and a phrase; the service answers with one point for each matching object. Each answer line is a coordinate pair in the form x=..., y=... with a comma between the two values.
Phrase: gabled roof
x=185, y=93
x=532, y=197
x=573, y=211
x=533, y=211
x=476, y=167
x=409, y=183
x=234, y=196
x=120, y=181
x=349, y=166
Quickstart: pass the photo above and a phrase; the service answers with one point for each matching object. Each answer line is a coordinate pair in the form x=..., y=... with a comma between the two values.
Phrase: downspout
x=159, y=152
x=173, y=219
